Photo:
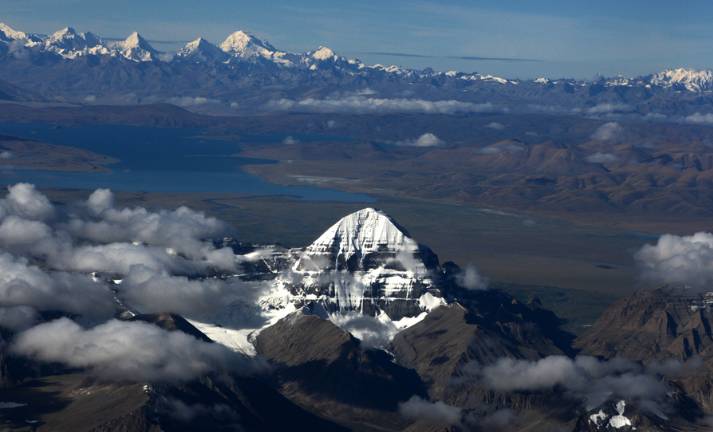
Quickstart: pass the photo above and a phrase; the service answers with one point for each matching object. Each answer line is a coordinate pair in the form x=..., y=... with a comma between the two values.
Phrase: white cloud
x=25, y=201
x=363, y=104
x=130, y=351
x=608, y=131
x=188, y=101
x=471, y=279
x=602, y=158
x=290, y=141
x=698, y=118
x=495, y=126
x=373, y=332
x=679, y=259
x=100, y=200
x=502, y=147
x=609, y=108
x=426, y=140
x=418, y=408
x=585, y=378
x=149, y=291
x=22, y=284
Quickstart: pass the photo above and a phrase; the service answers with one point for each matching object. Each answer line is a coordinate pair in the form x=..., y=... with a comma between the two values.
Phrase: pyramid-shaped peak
x=136, y=48
x=364, y=231
x=135, y=40
x=64, y=32
x=241, y=42
x=201, y=49
x=197, y=42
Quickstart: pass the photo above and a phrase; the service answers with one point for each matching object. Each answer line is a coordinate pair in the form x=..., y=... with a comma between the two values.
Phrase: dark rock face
x=660, y=324
x=54, y=398
x=448, y=341
x=653, y=324
x=320, y=365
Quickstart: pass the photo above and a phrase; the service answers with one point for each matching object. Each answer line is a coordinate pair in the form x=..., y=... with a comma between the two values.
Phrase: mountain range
x=244, y=74
x=363, y=329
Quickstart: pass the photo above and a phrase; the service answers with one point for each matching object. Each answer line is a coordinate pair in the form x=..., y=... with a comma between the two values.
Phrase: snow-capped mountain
x=684, y=79
x=348, y=243
x=70, y=44
x=9, y=34
x=323, y=54
x=200, y=50
x=243, y=46
x=136, y=48
x=243, y=66
x=366, y=262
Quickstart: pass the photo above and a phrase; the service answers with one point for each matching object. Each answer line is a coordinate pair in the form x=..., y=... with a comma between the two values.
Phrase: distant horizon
x=567, y=39
x=396, y=57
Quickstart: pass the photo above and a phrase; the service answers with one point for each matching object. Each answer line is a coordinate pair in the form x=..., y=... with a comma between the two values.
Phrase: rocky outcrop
x=658, y=325
x=325, y=368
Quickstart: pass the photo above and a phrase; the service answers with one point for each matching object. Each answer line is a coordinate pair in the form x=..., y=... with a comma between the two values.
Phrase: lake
x=158, y=160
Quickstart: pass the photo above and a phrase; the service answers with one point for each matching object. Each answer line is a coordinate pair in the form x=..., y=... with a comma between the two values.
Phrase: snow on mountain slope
x=136, y=48
x=689, y=79
x=70, y=44
x=9, y=34
x=361, y=233
x=200, y=50
x=245, y=46
x=322, y=54
x=362, y=273
x=366, y=263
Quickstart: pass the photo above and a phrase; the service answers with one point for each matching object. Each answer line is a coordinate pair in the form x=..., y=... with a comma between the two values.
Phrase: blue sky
x=572, y=38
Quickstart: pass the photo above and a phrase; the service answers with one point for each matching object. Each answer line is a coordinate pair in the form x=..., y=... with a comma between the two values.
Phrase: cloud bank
x=608, y=132
x=585, y=378
x=130, y=351
x=686, y=260
x=372, y=105
x=426, y=140
x=93, y=260
x=418, y=408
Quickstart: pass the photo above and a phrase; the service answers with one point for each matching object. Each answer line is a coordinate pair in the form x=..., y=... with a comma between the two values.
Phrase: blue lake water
x=158, y=160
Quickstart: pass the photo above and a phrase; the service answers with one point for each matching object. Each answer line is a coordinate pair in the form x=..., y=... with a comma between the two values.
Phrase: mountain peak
x=364, y=262
x=690, y=79
x=61, y=33
x=136, y=48
x=135, y=40
x=246, y=45
x=362, y=232
x=323, y=53
x=11, y=33
x=197, y=42
x=70, y=44
x=201, y=49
